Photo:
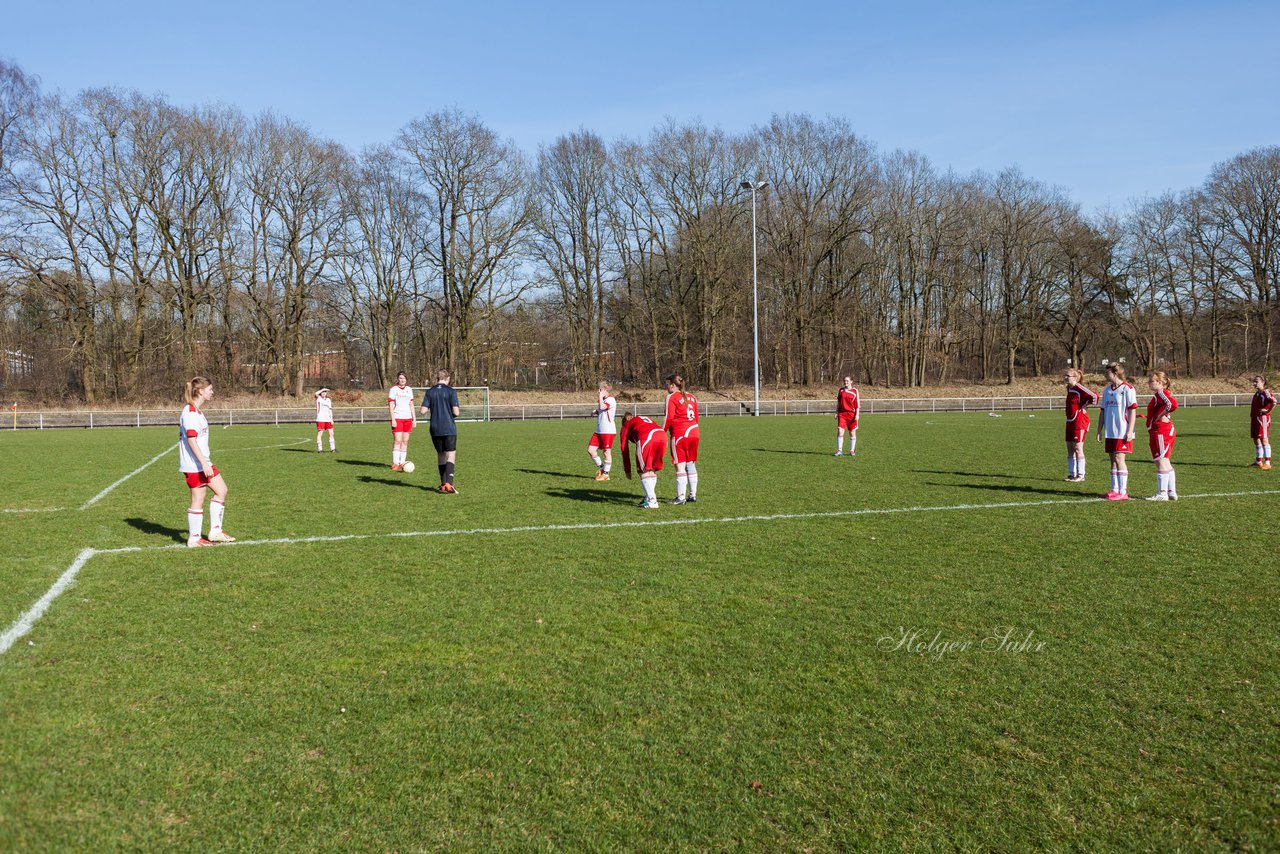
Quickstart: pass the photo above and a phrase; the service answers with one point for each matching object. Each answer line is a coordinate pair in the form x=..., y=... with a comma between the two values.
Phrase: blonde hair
x=195, y=385
x=442, y=375
x=1075, y=372
x=1161, y=377
x=1117, y=370
x=605, y=386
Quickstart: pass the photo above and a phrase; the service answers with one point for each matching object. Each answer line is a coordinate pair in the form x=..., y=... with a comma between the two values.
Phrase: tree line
x=142, y=242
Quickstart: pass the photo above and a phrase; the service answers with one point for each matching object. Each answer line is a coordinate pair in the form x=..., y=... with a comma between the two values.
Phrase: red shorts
x=1261, y=428
x=601, y=440
x=650, y=455
x=1161, y=440
x=1078, y=430
x=846, y=421
x=324, y=425
x=684, y=449
x=197, y=478
x=402, y=425
x=1119, y=446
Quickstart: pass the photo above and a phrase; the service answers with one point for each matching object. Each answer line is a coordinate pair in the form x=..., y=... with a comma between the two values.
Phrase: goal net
x=473, y=403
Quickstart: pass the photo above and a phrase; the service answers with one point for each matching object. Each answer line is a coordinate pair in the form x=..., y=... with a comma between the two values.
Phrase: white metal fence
x=561, y=411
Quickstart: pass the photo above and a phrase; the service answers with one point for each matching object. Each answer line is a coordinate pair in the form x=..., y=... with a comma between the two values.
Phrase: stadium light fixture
x=754, y=187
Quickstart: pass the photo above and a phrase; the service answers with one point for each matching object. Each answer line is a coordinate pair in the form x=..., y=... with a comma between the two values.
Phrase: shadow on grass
x=367, y=463
x=364, y=478
x=596, y=495
x=146, y=526
x=783, y=451
x=1008, y=487
x=981, y=474
x=554, y=473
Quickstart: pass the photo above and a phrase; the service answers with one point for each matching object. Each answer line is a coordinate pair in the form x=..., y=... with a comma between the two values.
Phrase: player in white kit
x=606, y=429
x=198, y=469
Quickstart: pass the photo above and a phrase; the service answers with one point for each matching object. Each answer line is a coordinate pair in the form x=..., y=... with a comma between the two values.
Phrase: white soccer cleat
x=1159, y=496
x=198, y=542
x=649, y=505
x=221, y=537
x=1173, y=496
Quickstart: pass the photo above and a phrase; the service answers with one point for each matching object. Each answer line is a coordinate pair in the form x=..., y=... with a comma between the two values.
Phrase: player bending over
x=651, y=446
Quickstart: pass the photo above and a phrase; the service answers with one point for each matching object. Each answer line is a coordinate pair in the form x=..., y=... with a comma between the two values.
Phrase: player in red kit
x=1078, y=397
x=681, y=422
x=847, y=406
x=1161, y=435
x=651, y=447
x=1260, y=422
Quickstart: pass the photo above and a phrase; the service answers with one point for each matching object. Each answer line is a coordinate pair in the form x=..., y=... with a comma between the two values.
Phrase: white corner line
x=25, y=623
x=36, y=611
x=103, y=494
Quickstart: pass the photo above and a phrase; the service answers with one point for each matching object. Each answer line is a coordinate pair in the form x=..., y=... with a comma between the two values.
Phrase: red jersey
x=649, y=439
x=1078, y=398
x=682, y=413
x=1262, y=403
x=847, y=401
x=1161, y=404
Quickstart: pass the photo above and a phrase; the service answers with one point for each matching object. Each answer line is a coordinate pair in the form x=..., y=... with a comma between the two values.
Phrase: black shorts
x=445, y=443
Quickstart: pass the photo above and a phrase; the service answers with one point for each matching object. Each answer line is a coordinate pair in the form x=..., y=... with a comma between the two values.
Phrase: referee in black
x=441, y=400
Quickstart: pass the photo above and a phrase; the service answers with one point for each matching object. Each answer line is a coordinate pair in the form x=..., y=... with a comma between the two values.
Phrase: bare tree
x=571, y=222
x=476, y=189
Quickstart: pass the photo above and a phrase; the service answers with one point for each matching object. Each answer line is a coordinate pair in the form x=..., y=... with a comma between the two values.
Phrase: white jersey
x=192, y=427
x=605, y=416
x=324, y=410
x=403, y=399
x=1116, y=405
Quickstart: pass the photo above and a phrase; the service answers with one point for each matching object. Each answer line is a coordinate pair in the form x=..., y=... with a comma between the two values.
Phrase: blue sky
x=1111, y=101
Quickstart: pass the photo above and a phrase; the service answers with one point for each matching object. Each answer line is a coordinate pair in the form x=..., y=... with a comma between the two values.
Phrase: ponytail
x=194, y=386
x=1162, y=378
x=678, y=381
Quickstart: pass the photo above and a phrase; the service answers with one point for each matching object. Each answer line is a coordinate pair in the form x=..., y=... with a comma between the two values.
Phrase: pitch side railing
x=42, y=420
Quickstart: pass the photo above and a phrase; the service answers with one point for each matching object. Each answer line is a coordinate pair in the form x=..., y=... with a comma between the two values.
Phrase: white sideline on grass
x=103, y=494
x=25, y=623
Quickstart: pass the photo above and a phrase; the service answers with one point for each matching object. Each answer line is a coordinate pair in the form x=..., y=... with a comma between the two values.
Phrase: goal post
x=473, y=403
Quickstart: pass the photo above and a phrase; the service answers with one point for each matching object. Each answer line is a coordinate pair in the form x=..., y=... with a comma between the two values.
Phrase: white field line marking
x=33, y=510
x=36, y=611
x=103, y=494
x=262, y=447
x=27, y=620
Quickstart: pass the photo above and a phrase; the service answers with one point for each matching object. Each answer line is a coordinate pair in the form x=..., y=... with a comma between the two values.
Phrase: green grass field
x=542, y=665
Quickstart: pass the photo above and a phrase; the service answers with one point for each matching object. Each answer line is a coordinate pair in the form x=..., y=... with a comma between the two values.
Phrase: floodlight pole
x=753, y=186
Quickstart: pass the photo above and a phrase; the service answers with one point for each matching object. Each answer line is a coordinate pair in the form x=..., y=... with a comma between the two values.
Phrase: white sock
x=1266, y=451
x=839, y=444
x=853, y=442
x=195, y=523
x=1115, y=481
x=333, y=443
x=1173, y=482
x=682, y=486
x=650, y=485
x=319, y=441
x=1123, y=481
x=1079, y=466
x=216, y=509
x=691, y=469
x=605, y=468
x=595, y=459
x=1071, y=465
x=397, y=457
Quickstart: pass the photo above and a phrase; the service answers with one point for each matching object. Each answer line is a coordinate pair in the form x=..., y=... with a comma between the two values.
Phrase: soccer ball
x=409, y=467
